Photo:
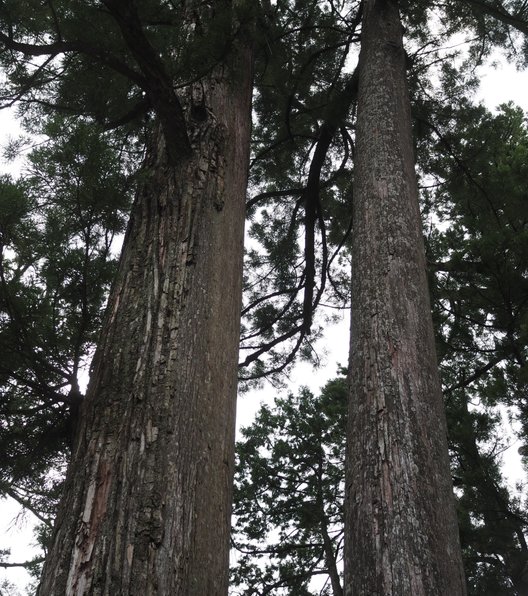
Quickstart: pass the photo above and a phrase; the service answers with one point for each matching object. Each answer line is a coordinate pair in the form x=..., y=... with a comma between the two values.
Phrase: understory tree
x=289, y=486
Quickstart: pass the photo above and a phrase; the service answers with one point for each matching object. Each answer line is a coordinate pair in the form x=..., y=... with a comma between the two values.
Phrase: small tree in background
x=289, y=486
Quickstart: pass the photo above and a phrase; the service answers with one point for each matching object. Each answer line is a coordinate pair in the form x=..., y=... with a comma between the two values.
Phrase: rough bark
x=401, y=530
x=148, y=496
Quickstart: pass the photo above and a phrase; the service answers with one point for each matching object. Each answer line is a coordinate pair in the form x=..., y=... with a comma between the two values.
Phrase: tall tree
x=401, y=534
x=147, y=499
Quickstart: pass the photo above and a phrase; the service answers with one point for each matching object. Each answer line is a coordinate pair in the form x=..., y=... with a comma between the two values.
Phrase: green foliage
x=289, y=493
x=106, y=61
x=481, y=258
x=302, y=104
x=58, y=225
x=480, y=298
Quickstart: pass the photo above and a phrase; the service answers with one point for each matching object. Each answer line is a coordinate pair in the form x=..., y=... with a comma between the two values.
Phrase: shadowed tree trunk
x=148, y=496
x=401, y=530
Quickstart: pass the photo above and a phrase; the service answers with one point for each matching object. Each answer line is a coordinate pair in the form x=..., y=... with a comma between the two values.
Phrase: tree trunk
x=401, y=529
x=148, y=496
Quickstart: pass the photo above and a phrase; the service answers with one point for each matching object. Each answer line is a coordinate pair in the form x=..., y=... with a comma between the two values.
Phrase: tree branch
x=501, y=15
x=35, y=561
x=476, y=375
x=335, y=113
x=158, y=83
x=77, y=46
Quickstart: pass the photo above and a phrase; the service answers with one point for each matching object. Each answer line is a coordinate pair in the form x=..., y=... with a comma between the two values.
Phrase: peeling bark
x=401, y=535
x=148, y=495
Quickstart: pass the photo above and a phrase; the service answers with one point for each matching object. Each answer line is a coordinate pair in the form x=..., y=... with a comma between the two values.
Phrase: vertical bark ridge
x=148, y=497
x=401, y=529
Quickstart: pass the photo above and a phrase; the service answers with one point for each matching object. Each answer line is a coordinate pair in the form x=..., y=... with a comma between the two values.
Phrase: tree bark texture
x=400, y=523
x=148, y=495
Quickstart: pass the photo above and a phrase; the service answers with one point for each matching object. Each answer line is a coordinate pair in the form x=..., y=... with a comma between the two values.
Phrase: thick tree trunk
x=401, y=529
x=148, y=497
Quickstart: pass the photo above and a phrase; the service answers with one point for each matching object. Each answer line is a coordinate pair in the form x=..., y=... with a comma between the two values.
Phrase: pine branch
x=77, y=47
x=336, y=112
x=158, y=84
x=501, y=14
x=26, y=564
x=26, y=504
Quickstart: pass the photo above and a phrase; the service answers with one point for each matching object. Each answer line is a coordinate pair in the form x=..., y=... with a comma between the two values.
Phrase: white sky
x=502, y=84
x=498, y=86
